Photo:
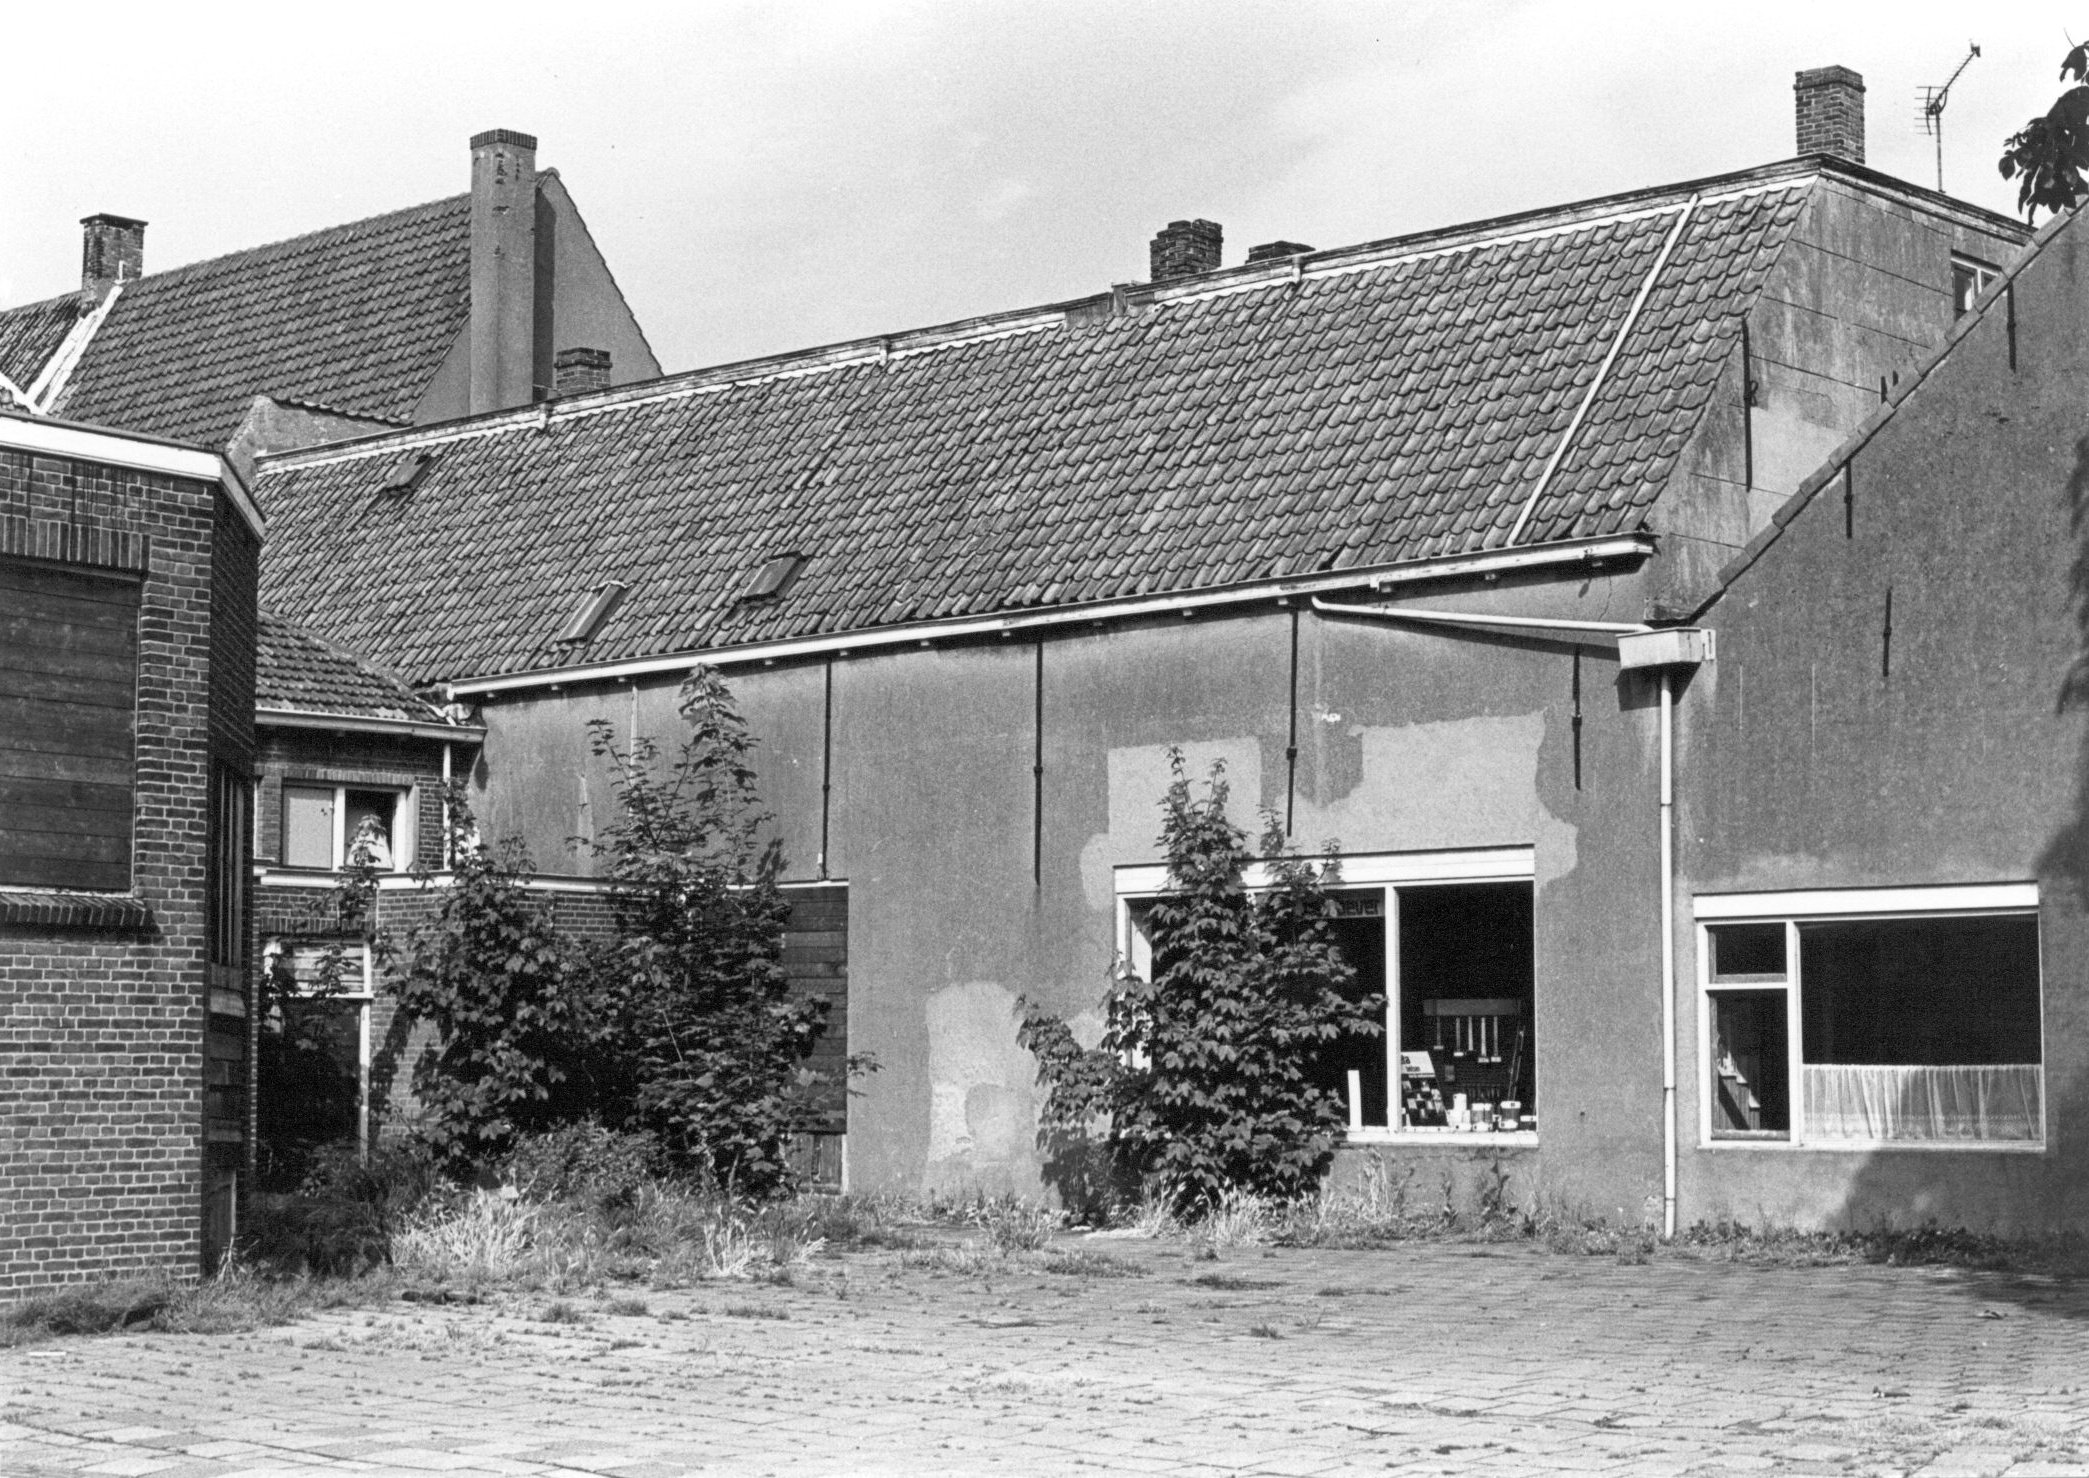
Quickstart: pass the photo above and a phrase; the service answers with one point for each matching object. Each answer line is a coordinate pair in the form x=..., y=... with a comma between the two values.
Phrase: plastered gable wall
x=1808, y=761
x=102, y=1032
x=1862, y=293
x=1408, y=740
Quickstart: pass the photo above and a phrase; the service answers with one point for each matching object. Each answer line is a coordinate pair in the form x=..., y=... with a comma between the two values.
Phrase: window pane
x=1751, y=1092
x=1930, y=992
x=308, y=826
x=370, y=824
x=1359, y=933
x=1747, y=951
x=1467, y=967
x=1921, y=1029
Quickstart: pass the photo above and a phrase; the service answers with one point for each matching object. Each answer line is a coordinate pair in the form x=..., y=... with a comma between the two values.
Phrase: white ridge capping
x=53, y=438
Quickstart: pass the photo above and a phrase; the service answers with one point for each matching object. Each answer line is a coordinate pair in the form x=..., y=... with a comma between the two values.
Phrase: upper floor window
x=68, y=690
x=324, y=825
x=1969, y=279
x=1873, y=1016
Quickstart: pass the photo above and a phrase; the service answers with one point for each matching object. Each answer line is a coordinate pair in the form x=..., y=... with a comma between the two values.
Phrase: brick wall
x=381, y=760
x=102, y=1029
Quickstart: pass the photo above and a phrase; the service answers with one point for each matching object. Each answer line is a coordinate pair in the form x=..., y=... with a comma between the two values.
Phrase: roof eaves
x=1897, y=395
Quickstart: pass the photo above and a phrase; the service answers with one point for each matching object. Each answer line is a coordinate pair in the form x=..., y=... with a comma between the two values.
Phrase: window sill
x=1444, y=1138
x=1878, y=1146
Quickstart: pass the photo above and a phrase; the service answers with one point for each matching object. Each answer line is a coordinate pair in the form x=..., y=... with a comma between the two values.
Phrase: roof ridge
x=885, y=348
x=238, y=258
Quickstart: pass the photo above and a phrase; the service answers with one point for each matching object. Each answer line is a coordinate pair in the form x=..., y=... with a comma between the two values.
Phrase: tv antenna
x=1932, y=109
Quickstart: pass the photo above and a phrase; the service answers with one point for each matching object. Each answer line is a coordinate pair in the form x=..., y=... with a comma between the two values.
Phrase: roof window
x=774, y=577
x=406, y=473
x=596, y=609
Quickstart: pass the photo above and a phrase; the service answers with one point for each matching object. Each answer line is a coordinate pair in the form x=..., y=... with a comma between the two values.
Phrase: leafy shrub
x=497, y=979
x=341, y=1220
x=692, y=987
x=1205, y=1079
x=584, y=1162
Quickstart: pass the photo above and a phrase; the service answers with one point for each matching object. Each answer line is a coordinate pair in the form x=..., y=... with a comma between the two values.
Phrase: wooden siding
x=816, y=956
x=68, y=691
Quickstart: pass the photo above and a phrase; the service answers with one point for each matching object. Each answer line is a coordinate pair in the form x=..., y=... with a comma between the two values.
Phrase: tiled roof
x=1394, y=402
x=358, y=317
x=31, y=334
x=298, y=671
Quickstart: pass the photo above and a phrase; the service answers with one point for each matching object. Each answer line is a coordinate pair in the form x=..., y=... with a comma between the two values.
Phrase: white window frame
x=1857, y=905
x=351, y=994
x=1983, y=273
x=1362, y=872
x=405, y=815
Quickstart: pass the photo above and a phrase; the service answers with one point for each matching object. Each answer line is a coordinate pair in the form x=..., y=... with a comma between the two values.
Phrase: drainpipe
x=446, y=858
x=1668, y=953
x=1670, y=649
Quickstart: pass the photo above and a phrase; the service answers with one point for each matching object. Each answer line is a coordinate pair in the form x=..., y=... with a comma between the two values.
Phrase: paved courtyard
x=1427, y=1359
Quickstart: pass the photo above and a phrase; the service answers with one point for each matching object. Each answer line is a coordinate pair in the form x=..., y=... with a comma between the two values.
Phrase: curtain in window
x=1987, y=1102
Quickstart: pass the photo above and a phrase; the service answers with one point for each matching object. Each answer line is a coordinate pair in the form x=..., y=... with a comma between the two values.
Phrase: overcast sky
x=767, y=177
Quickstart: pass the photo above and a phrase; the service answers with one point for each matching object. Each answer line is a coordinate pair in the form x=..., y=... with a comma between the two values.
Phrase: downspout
x=1667, y=648
x=1668, y=954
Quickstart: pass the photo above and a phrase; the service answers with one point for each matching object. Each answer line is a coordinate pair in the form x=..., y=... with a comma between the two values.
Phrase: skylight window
x=774, y=577
x=601, y=602
x=406, y=473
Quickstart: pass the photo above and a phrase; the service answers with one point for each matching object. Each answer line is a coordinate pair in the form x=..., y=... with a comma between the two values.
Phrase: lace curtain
x=1998, y=1102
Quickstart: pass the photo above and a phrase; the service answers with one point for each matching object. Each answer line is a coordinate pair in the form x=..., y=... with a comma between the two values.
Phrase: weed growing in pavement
x=1265, y=1331
x=755, y=1311
x=1084, y=1264
x=1233, y=1282
x=235, y=1301
x=1013, y=1225
x=627, y=1308
x=561, y=1312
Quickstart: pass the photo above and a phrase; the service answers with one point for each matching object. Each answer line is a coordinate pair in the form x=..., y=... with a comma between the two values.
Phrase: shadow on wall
x=2029, y=1195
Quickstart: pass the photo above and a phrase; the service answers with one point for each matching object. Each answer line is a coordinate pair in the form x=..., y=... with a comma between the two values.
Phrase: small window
x=774, y=577
x=600, y=604
x=1747, y=951
x=1969, y=279
x=324, y=826
x=405, y=474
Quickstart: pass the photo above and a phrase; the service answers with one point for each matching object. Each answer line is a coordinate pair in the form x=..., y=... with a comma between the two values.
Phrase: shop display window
x=1448, y=940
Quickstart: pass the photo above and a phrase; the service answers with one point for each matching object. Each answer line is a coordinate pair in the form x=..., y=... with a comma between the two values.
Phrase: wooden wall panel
x=68, y=696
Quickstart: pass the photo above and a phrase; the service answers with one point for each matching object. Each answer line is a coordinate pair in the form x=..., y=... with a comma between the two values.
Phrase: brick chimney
x=1271, y=251
x=1184, y=248
x=1830, y=106
x=503, y=269
x=112, y=250
x=577, y=371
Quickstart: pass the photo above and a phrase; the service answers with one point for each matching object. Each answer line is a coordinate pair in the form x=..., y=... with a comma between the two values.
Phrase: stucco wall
x=1810, y=760
x=1409, y=739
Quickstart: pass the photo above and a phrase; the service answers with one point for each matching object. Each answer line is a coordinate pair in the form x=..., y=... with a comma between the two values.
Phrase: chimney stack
x=112, y=250
x=503, y=270
x=1270, y=251
x=578, y=371
x=1830, y=106
x=1184, y=248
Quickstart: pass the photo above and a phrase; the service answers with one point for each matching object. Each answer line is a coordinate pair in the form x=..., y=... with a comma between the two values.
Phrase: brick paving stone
x=1426, y=1359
